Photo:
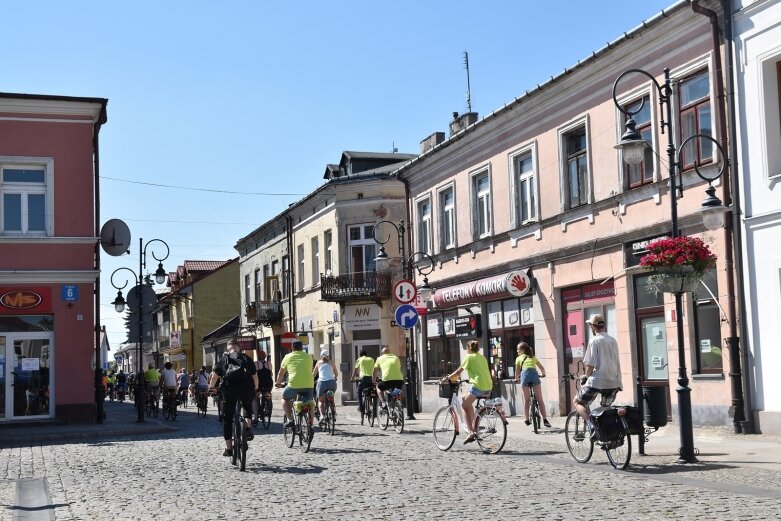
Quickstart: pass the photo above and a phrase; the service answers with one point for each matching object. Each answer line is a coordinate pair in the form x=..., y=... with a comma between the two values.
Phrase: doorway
x=372, y=348
x=26, y=389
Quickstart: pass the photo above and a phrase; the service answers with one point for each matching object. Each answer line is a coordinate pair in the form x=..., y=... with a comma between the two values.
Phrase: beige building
x=535, y=223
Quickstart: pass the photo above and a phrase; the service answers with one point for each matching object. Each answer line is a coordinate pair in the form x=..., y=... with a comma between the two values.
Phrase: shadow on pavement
x=530, y=452
x=298, y=469
x=348, y=434
x=322, y=450
x=674, y=468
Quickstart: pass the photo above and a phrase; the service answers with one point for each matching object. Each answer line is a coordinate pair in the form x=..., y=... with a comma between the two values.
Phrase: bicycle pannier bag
x=607, y=423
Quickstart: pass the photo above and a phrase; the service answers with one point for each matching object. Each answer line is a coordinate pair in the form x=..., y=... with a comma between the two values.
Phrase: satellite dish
x=115, y=237
x=149, y=299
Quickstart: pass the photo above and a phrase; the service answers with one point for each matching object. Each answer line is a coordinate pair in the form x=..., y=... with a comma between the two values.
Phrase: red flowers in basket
x=679, y=251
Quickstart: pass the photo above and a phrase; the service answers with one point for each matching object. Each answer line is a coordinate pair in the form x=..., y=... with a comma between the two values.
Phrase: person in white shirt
x=603, y=369
x=326, y=373
x=170, y=383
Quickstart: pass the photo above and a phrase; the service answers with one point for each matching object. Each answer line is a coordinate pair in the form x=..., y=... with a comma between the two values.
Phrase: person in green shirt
x=298, y=366
x=391, y=377
x=482, y=382
x=364, y=367
x=526, y=372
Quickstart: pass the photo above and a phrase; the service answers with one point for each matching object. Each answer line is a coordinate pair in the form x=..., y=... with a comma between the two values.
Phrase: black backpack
x=236, y=368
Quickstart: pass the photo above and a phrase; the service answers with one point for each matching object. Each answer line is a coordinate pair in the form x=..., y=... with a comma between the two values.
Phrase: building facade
x=535, y=223
x=48, y=256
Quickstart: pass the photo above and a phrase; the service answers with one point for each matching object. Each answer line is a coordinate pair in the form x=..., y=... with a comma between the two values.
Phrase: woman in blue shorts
x=526, y=372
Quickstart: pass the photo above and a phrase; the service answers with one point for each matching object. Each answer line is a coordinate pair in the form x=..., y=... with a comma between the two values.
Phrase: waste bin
x=655, y=406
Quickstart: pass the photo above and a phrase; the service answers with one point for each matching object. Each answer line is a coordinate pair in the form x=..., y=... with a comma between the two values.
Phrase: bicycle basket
x=446, y=390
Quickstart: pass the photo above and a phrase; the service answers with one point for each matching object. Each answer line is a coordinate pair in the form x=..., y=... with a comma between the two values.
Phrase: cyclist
x=481, y=379
x=121, y=381
x=364, y=367
x=526, y=372
x=603, y=370
x=111, y=385
x=168, y=376
x=183, y=379
x=326, y=372
x=152, y=379
x=265, y=382
x=391, y=378
x=298, y=366
x=239, y=382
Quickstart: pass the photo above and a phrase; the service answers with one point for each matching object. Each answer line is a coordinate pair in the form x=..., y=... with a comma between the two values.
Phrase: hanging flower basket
x=679, y=264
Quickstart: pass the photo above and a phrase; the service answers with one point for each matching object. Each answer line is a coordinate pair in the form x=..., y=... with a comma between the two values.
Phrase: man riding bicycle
x=168, y=376
x=298, y=366
x=480, y=377
x=364, y=367
x=184, y=383
x=152, y=379
x=239, y=380
x=603, y=370
x=391, y=378
x=121, y=381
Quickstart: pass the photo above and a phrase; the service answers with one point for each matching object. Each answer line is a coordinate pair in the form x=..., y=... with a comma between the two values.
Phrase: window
x=266, y=290
x=329, y=244
x=26, y=208
x=442, y=357
x=526, y=189
x=694, y=99
x=643, y=172
x=577, y=168
x=315, y=261
x=257, y=285
x=362, y=248
x=301, y=268
x=424, y=226
x=481, y=186
x=247, y=290
x=707, y=317
x=274, y=281
x=447, y=219
x=285, y=277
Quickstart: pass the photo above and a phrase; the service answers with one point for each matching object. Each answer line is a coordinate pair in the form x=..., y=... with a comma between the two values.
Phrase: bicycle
x=611, y=432
x=534, y=408
x=182, y=397
x=152, y=402
x=217, y=400
x=490, y=420
x=169, y=405
x=240, y=442
x=369, y=401
x=202, y=401
x=328, y=419
x=302, y=426
x=393, y=411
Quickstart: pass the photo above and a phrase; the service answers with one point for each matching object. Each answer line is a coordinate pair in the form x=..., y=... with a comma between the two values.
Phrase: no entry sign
x=287, y=340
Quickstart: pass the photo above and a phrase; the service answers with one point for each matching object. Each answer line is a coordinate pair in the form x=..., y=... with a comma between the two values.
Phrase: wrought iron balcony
x=355, y=286
x=265, y=312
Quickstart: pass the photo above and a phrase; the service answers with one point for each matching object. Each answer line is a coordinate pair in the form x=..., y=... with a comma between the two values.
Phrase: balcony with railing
x=355, y=286
x=265, y=312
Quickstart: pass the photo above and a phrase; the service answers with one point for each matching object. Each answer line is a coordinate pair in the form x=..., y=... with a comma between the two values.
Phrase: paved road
x=364, y=473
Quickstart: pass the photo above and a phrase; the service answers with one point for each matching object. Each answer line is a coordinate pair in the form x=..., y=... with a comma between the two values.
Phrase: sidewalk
x=120, y=421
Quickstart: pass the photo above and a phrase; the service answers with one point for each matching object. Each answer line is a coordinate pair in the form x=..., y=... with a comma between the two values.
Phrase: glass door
x=28, y=359
x=372, y=348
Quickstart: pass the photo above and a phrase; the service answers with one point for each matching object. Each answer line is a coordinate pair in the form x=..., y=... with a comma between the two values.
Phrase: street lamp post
x=424, y=291
x=119, y=306
x=633, y=146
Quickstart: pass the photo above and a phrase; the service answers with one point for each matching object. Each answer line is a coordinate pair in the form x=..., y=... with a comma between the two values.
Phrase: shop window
x=707, y=317
x=442, y=357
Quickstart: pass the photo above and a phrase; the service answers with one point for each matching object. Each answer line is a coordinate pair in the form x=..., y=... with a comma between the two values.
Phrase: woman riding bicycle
x=326, y=372
x=482, y=382
x=526, y=372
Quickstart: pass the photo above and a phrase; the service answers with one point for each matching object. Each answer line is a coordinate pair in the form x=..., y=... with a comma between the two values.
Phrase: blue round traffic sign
x=406, y=316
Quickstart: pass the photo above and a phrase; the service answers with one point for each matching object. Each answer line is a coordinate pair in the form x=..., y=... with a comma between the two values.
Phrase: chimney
x=431, y=141
x=459, y=123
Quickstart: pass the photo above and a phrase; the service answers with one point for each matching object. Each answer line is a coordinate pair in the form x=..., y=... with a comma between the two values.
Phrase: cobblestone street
x=366, y=473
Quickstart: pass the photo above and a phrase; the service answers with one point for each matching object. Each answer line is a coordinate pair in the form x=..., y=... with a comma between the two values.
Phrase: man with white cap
x=326, y=372
x=603, y=369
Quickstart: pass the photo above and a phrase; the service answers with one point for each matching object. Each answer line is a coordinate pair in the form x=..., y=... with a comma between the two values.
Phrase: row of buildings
x=523, y=222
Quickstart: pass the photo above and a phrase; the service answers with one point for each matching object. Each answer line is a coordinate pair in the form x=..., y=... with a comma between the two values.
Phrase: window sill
x=708, y=376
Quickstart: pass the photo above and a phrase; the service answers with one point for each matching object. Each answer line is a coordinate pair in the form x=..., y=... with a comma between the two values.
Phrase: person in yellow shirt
x=298, y=366
x=482, y=382
x=391, y=377
x=364, y=367
x=152, y=378
x=526, y=372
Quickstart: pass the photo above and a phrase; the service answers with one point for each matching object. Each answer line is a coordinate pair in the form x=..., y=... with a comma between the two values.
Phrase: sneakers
x=248, y=434
x=227, y=452
x=527, y=422
x=546, y=423
x=470, y=438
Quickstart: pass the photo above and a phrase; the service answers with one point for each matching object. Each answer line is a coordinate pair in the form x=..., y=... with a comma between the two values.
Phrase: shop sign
x=448, y=326
x=246, y=342
x=176, y=339
x=468, y=326
x=361, y=318
x=25, y=300
x=598, y=291
x=634, y=251
x=515, y=283
x=434, y=324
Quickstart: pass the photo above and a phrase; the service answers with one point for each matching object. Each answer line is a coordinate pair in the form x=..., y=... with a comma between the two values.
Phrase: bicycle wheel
x=535, y=414
x=384, y=416
x=579, y=441
x=166, y=410
x=156, y=408
x=173, y=409
x=399, y=419
x=219, y=410
x=491, y=431
x=372, y=412
x=305, y=432
x=444, y=428
x=236, y=440
x=619, y=452
x=364, y=408
x=242, y=447
x=289, y=433
x=332, y=414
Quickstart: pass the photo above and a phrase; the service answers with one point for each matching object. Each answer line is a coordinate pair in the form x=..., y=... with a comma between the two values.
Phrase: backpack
x=236, y=371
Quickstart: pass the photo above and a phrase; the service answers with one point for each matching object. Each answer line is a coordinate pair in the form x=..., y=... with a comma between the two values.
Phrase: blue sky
x=257, y=96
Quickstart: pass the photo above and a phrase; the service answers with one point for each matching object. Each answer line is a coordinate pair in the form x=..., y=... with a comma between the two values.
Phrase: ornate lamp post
x=119, y=306
x=382, y=262
x=632, y=147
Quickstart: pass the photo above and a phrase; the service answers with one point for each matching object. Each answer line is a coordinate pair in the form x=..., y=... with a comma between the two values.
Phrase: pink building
x=536, y=193
x=48, y=258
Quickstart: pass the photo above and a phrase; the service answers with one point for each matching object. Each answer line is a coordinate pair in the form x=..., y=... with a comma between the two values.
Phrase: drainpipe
x=732, y=237
x=291, y=305
x=99, y=396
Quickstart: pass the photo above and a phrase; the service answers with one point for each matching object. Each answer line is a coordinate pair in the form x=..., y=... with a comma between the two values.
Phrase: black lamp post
x=119, y=306
x=424, y=291
x=632, y=147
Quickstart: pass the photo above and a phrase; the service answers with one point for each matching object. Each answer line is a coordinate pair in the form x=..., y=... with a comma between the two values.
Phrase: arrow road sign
x=404, y=291
x=406, y=316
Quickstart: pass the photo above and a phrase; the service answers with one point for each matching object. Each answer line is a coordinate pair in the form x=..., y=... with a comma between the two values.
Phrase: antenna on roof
x=393, y=148
x=468, y=85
